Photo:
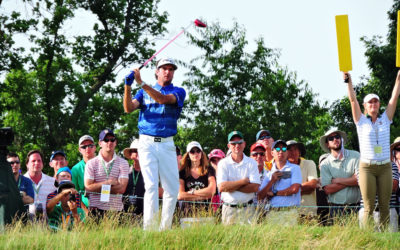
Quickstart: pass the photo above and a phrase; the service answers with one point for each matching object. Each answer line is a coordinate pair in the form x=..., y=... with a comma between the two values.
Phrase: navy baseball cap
x=279, y=142
x=262, y=131
x=104, y=133
x=57, y=152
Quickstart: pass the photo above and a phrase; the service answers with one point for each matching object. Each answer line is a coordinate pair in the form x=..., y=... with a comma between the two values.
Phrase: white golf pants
x=157, y=158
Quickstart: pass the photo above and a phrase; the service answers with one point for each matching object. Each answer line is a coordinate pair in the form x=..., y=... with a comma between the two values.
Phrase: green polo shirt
x=58, y=216
x=344, y=168
x=78, y=174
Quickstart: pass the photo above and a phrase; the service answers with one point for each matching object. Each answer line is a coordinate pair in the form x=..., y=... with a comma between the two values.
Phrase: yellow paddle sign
x=343, y=41
x=398, y=40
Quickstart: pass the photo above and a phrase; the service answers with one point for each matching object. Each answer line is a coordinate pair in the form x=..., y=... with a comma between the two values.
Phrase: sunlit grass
x=113, y=233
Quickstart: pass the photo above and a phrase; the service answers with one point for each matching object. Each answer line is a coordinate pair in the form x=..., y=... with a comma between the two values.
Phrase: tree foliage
x=58, y=86
x=233, y=89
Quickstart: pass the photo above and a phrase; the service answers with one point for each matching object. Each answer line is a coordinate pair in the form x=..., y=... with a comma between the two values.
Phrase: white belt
x=373, y=162
x=150, y=138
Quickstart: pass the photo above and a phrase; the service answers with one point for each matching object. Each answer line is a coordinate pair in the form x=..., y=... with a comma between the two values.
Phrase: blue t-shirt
x=24, y=184
x=159, y=119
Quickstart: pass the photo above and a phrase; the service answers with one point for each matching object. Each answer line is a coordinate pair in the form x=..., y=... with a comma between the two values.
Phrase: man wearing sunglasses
x=338, y=174
x=106, y=177
x=87, y=148
x=24, y=184
x=282, y=184
x=264, y=137
x=238, y=179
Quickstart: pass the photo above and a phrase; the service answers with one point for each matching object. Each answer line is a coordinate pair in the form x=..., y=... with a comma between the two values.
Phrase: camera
x=72, y=197
x=286, y=174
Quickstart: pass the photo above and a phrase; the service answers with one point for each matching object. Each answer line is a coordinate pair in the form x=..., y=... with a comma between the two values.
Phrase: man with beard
x=338, y=174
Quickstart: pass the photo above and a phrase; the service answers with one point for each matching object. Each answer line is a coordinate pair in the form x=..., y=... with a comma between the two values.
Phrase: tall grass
x=110, y=234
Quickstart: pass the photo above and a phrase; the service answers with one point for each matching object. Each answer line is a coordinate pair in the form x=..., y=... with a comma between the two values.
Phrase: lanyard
x=135, y=180
x=375, y=126
x=65, y=221
x=19, y=181
x=109, y=168
x=36, y=189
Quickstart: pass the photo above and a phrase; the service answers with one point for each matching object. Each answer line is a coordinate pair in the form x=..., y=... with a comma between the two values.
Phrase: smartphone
x=286, y=174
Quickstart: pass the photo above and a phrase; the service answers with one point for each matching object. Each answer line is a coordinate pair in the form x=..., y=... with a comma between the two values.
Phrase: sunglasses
x=195, y=151
x=257, y=153
x=13, y=162
x=215, y=159
x=264, y=137
x=279, y=149
x=110, y=139
x=236, y=142
x=133, y=151
x=331, y=138
x=87, y=146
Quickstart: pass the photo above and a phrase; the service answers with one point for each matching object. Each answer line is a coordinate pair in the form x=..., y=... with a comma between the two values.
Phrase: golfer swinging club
x=160, y=107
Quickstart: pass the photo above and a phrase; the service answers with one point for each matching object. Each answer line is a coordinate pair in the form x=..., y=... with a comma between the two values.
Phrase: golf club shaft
x=151, y=58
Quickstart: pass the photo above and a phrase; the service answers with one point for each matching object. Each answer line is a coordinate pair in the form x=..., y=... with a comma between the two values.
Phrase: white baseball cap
x=193, y=144
x=85, y=138
x=369, y=97
x=166, y=61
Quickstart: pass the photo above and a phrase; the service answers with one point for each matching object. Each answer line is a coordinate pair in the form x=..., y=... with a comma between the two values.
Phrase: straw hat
x=322, y=140
x=134, y=145
x=394, y=145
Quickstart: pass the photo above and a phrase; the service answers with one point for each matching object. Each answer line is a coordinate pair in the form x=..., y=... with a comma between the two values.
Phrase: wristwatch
x=191, y=191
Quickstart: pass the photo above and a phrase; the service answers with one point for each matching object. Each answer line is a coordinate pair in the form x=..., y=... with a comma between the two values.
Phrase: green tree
x=233, y=89
x=59, y=87
x=381, y=59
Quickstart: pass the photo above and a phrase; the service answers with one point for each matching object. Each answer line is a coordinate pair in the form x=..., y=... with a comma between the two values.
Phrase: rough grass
x=127, y=235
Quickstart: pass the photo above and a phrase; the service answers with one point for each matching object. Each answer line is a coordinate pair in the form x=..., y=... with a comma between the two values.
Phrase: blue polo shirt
x=284, y=201
x=26, y=185
x=159, y=119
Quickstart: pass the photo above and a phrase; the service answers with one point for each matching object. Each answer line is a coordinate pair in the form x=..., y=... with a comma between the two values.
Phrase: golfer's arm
x=355, y=107
x=391, y=107
x=158, y=97
x=129, y=104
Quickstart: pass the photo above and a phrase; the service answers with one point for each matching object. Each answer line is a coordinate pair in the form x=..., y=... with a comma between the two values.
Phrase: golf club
x=197, y=22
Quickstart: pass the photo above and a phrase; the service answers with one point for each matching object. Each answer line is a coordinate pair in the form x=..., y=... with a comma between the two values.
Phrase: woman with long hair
x=373, y=130
x=196, y=179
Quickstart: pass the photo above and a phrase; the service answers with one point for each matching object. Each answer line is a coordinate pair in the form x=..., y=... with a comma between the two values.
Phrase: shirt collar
x=159, y=87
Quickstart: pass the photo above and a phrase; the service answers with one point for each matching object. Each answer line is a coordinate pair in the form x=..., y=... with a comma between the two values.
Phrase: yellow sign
x=343, y=41
x=398, y=40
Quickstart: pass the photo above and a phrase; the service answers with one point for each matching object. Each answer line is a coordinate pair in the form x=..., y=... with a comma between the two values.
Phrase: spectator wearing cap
x=373, y=130
x=87, y=148
x=24, y=184
x=214, y=157
x=160, y=107
x=338, y=174
x=196, y=180
x=63, y=174
x=238, y=179
x=106, y=173
x=63, y=210
x=296, y=154
x=134, y=193
x=58, y=159
x=282, y=184
x=264, y=137
x=257, y=152
x=42, y=183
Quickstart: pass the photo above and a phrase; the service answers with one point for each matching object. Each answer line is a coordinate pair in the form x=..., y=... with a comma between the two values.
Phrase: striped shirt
x=159, y=119
x=95, y=170
x=393, y=198
x=371, y=135
x=42, y=189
